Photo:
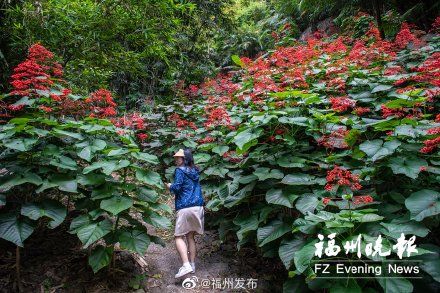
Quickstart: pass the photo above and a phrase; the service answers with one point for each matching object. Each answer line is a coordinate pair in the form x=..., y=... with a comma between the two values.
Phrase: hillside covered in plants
x=309, y=122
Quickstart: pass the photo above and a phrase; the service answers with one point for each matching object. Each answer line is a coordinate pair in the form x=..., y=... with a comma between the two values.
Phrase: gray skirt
x=190, y=219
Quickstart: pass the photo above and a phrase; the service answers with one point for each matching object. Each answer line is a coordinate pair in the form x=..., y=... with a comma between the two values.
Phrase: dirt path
x=219, y=268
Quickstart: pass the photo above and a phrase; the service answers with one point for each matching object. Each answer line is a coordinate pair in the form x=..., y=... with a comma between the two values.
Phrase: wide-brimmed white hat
x=179, y=153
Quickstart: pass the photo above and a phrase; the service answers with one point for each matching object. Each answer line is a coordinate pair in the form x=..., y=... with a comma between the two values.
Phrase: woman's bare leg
x=182, y=248
x=191, y=246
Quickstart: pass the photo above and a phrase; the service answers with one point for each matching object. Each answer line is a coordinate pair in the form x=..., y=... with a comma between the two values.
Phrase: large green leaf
x=280, y=197
x=431, y=261
x=220, y=149
x=301, y=179
x=377, y=149
x=116, y=204
x=63, y=162
x=300, y=121
x=264, y=173
x=48, y=208
x=14, y=229
x=201, y=158
x=135, y=240
x=307, y=203
x=20, y=144
x=147, y=194
x=18, y=179
x=64, y=182
x=117, y=152
x=396, y=228
x=291, y=162
x=157, y=220
x=68, y=133
x=303, y=256
x=86, y=153
x=149, y=177
x=288, y=248
x=107, y=166
x=410, y=166
x=247, y=179
x=236, y=59
x=247, y=138
x=90, y=233
x=423, y=203
x=271, y=232
x=78, y=222
x=146, y=157
x=246, y=223
x=381, y=88
x=216, y=170
x=100, y=257
x=239, y=196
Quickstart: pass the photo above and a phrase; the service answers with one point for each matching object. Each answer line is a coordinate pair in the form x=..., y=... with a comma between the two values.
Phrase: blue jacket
x=187, y=189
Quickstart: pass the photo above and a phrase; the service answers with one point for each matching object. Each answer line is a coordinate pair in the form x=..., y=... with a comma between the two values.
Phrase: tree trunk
x=377, y=6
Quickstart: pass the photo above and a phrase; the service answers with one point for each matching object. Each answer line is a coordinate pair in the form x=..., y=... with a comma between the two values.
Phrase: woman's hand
x=168, y=185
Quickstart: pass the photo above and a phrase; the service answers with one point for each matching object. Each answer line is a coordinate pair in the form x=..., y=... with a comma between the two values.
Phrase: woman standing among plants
x=189, y=205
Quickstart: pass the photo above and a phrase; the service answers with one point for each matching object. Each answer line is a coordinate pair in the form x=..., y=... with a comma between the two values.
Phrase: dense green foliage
x=319, y=127
x=58, y=156
x=326, y=136
x=139, y=48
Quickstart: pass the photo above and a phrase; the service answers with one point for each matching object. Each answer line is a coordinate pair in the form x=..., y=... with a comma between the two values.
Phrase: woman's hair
x=189, y=160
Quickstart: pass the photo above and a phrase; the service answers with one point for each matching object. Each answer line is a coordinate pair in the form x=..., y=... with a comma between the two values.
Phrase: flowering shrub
x=321, y=136
x=58, y=155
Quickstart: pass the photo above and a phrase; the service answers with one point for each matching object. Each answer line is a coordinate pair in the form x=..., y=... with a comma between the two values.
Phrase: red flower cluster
x=45, y=58
x=436, y=25
x=336, y=46
x=373, y=32
x=342, y=177
x=435, y=130
x=192, y=91
x=335, y=140
x=35, y=72
x=361, y=110
x=429, y=71
x=207, y=139
x=342, y=104
x=221, y=85
x=362, y=199
x=430, y=145
x=280, y=131
x=28, y=77
x=217, y=116
x=358, y=53
x=326, y=200
x=101, y=104
x=393, y=70
x=400, y=112
x=133, y=120
x=142, y=136
x=404, y=37
x=45, y=109
x=64, y=105
x=181, y=123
